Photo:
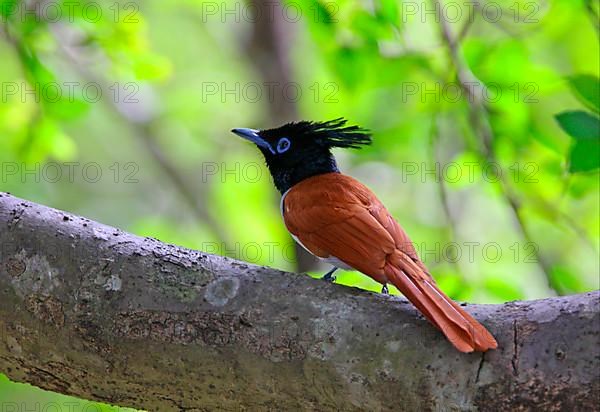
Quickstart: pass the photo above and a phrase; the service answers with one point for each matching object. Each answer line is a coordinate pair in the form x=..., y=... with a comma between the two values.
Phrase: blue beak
x=253, y=136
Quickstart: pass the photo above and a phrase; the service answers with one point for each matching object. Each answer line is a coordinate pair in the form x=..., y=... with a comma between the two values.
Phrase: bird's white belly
x=332, y=260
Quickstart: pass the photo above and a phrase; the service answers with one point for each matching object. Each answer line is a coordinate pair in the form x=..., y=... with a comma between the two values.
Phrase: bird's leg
x=329, y=276
x=384, y=289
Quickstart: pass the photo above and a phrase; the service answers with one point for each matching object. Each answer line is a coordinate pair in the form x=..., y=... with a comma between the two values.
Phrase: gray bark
x=91, y=311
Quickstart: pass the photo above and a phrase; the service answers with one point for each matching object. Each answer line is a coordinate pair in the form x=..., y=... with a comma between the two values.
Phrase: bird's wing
x=331, y=215
x=335, y=215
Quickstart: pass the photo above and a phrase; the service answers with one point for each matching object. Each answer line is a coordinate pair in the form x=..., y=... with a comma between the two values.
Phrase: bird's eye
x=283, y=145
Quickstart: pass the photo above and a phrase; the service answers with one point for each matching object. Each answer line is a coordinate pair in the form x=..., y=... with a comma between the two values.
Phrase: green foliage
x=175, y=77
x=587, y=89
x=502, y=289
x=19, y=397
x=584, y=128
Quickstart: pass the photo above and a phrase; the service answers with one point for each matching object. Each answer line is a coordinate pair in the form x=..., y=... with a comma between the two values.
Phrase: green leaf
x=587, y=90
x=388, y=11
x=579, y=124
x=585, y=129
x=368, y=27
x=585, y=156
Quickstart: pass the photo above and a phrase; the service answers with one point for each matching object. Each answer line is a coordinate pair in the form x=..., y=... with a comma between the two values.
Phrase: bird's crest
x=332, y=133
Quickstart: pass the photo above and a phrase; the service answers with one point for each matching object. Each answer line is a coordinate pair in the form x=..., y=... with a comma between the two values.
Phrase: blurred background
x=484, y=114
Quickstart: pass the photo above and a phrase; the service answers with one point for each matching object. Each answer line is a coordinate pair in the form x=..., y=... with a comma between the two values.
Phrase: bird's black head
x=296, y=151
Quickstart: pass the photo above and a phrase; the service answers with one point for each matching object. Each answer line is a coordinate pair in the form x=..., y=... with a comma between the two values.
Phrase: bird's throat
x=286, y=177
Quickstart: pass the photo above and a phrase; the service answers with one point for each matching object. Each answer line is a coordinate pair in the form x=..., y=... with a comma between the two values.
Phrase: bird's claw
x=329, y=276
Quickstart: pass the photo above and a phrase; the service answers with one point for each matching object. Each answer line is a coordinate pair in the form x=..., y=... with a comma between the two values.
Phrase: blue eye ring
x=283, y=145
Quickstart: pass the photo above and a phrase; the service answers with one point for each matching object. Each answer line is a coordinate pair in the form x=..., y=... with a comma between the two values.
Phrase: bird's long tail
x=461, y=329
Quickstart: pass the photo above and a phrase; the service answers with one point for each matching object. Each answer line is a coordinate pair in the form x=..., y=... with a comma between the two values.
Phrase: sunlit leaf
x=587, y=90
x=369, y=27
x=47, y=139
x=388, y=11
x=152, y=67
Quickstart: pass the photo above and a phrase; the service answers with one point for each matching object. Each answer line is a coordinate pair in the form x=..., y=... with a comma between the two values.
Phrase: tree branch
x=91, y=311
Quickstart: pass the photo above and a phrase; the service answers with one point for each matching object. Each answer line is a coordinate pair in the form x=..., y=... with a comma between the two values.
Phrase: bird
x=342, y=222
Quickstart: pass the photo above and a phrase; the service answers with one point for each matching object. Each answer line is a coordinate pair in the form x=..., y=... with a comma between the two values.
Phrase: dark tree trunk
x=269, y=53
